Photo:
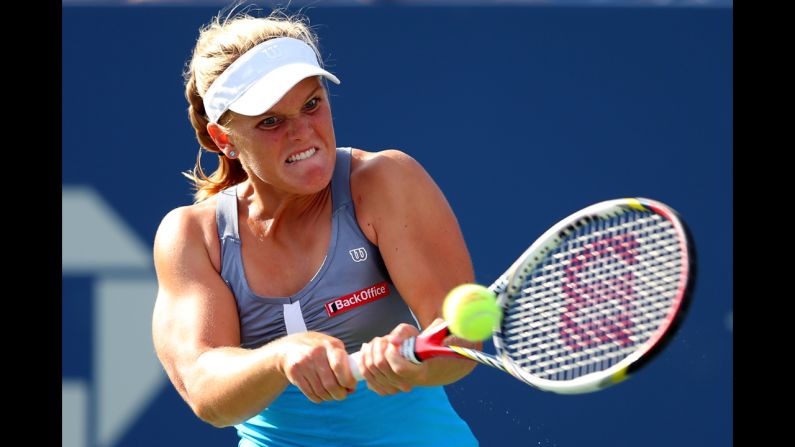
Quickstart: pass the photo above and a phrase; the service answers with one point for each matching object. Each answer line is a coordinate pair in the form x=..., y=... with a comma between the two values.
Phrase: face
x=292, y=146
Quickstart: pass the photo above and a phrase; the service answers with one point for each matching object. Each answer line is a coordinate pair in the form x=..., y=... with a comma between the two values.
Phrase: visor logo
x=358, y=254
x=273, y=51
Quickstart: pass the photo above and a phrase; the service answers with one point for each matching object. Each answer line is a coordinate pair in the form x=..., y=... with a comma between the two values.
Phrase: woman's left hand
x=384, y=368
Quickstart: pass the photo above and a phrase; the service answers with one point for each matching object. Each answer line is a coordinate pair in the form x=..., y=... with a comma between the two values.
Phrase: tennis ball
x=471, y=311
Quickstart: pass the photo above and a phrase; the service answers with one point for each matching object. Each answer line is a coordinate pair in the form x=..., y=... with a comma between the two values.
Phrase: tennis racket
x=588, y=303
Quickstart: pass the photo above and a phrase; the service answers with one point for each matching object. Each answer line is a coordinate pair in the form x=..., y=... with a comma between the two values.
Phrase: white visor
x=258, y=79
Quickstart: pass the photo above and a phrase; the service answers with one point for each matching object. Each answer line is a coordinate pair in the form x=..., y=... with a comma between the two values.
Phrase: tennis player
x=296, y=253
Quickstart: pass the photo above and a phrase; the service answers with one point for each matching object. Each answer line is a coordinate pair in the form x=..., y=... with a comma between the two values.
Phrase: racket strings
x=596, y=298
x=545, y=304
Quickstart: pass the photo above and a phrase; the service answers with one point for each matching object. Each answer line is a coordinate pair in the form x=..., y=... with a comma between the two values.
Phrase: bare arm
x=196, y=336
x=408, y=217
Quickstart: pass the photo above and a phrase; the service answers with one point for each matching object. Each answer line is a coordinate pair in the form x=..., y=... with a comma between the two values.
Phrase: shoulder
x=384, y=171
x=385, y=158
x=185, y=227
x=387, y=184
x=188, y=218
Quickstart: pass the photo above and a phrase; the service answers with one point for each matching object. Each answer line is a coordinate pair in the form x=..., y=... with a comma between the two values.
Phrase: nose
x=299, y=128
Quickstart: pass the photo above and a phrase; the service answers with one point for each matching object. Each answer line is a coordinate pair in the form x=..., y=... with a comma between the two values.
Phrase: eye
x=312, y=104
x=270, y=121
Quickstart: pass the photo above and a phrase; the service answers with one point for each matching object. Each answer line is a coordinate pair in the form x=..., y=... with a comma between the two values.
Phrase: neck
x=270, y=212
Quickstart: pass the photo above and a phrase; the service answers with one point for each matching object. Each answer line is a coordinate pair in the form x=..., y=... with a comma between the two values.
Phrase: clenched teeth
x=302, y=156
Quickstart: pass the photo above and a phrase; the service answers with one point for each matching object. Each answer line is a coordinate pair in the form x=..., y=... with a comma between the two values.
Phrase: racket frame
x=421, y=348
x=514, y=277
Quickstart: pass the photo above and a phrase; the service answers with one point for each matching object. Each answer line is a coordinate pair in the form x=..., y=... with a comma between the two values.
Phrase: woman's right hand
x=317, y=364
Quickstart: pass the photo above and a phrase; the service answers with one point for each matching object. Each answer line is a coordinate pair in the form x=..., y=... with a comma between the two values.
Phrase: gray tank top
x=351, y=297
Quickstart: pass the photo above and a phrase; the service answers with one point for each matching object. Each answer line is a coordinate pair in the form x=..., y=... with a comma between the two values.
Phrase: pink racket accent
x=583, y=298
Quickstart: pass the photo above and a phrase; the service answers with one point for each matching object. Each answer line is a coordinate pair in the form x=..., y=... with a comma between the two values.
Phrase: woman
x=297, y=253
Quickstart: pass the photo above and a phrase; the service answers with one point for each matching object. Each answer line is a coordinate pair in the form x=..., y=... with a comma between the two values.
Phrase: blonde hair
x=219, y=44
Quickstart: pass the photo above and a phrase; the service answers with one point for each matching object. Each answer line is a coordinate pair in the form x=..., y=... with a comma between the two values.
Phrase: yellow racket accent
x=619, y=375
x=635, y=203
x=462, y=352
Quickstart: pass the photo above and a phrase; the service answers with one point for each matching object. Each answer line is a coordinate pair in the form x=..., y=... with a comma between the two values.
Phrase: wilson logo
x=273, y=52
x=356, y=299
x=358, y=254
x=582, y=324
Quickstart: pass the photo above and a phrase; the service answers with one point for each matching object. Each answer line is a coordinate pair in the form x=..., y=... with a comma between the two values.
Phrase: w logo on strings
x=358, y=254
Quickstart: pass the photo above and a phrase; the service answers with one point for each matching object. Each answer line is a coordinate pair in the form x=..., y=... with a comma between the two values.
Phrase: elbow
x=457, y=368
x=460, y=369
x=207, y=406
x=211, y=415
x=220, y=416
x=446, y=371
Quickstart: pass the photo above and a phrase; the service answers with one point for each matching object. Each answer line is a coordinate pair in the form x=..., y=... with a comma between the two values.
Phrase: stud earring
x=232, y=153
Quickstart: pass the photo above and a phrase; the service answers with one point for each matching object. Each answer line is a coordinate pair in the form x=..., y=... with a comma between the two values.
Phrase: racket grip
x=353, y=361
x=406, y=350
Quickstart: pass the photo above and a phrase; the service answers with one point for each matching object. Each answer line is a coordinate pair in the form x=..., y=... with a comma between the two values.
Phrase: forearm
x=226, y=386
x=446, y=370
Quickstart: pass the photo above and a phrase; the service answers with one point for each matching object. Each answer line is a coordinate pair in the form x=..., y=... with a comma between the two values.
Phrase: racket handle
x=406, y=349
x=353, y=361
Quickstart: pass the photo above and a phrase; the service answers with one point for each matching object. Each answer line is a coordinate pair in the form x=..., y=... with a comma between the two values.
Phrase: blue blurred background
x=523, y=112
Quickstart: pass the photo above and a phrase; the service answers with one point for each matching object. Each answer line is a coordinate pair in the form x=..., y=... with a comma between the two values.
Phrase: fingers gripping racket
x=589, y=302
